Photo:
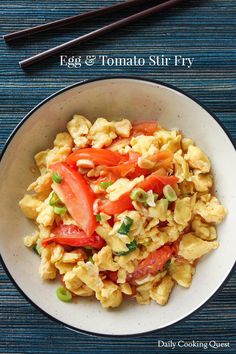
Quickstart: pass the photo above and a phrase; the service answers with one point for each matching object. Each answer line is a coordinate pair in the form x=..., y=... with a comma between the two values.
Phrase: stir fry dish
x=123, y=210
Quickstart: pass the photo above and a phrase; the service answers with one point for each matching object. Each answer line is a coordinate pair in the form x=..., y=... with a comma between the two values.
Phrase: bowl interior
x=114, y=98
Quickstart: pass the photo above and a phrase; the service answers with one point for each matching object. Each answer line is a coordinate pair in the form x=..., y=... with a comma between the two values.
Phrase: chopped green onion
x=139, y=195
x=54, y=199
x=98, y=217
x=125, y=226
x=131, y=246
x=169, y=193
x=150, y=199
x=105, y=185
x=63, y=294
x=59, y=210
x=38, y=247
x=155, y=196
x=166, y=266
x=90, y=259
x=35, y=249
x=56, y=178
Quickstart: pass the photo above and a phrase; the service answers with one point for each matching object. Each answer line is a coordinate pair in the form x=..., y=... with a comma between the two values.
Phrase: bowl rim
x=28, y=115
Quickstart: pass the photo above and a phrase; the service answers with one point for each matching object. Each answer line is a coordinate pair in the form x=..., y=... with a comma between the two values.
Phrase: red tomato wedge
x=154, y=263
x=118, y=206
x=77, y=196
x=128, y=168
x=97, y=156
x=145, y=128
x=153, y=182
x=113, y=276
x=71, y=235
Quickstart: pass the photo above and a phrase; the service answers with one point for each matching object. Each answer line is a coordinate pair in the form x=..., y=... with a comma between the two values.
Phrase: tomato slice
x=118, y=206
x=145, y=128
x=154, y=263
x=153, y=182
x=77, y=196
x=71, y=235
x=113, y=276
x=97, y=156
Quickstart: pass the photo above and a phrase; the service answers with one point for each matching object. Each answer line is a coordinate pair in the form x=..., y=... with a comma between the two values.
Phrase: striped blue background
x=203, y=29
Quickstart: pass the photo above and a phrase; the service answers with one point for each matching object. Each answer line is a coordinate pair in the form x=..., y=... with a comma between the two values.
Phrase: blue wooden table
x=202, y=29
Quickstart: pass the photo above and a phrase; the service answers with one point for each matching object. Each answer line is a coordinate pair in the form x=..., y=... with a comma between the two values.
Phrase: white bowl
x=115, y=98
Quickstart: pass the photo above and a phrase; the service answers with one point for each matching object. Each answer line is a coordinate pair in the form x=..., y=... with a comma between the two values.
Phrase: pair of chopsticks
x=94, y=34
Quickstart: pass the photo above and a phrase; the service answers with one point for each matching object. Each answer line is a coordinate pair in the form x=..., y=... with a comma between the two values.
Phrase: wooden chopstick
x=72, y=19
x=99, y=32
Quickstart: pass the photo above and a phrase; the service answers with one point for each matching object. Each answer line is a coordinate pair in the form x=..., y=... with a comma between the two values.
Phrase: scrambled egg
x=121, y=186
x=79, y=128
x=145, y=145
x=211, y=211
x=197, y=159
x=124, y=265
x=182, y=273
x=192, y=247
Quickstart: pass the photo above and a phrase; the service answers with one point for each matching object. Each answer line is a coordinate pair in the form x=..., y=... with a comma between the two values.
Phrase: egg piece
x=42, y=184
x=29, y=206
x=57, y=253
x=203, y=230
x=63, y=144
x=64, y=268
x=164, y=136
x=102, y=133
x=121, y=186
x=41, y=161
x=145, y=145
x=181, y=167
x=103, y=259
x=78, y=128
x=127, y=262
x=182, y=273
x=183, y=211
x=47, y=270
x=159, y=211
x=126, y=289
x=88, y=273
x=172, y=145
x=197, y=159
x=185, y=143
x=109, y=295
x=123, y=128
x=46, y=215
x=116, y=241
x=192, y=247
x=143, y=297
x=161, y=292
x=202, y=182
x=30, y=240
x=211, y=211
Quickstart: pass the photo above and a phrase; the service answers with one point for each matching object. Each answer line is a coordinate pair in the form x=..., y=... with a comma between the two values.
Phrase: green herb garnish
x=60, y=210
x=131, y=246
x=98, y=217
x=105, y=185
x=126, y=226
x=56, y=178
x=169, y=193
x=63, y=294
x=139, y=195
x=166, y=266
x=54, y=199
